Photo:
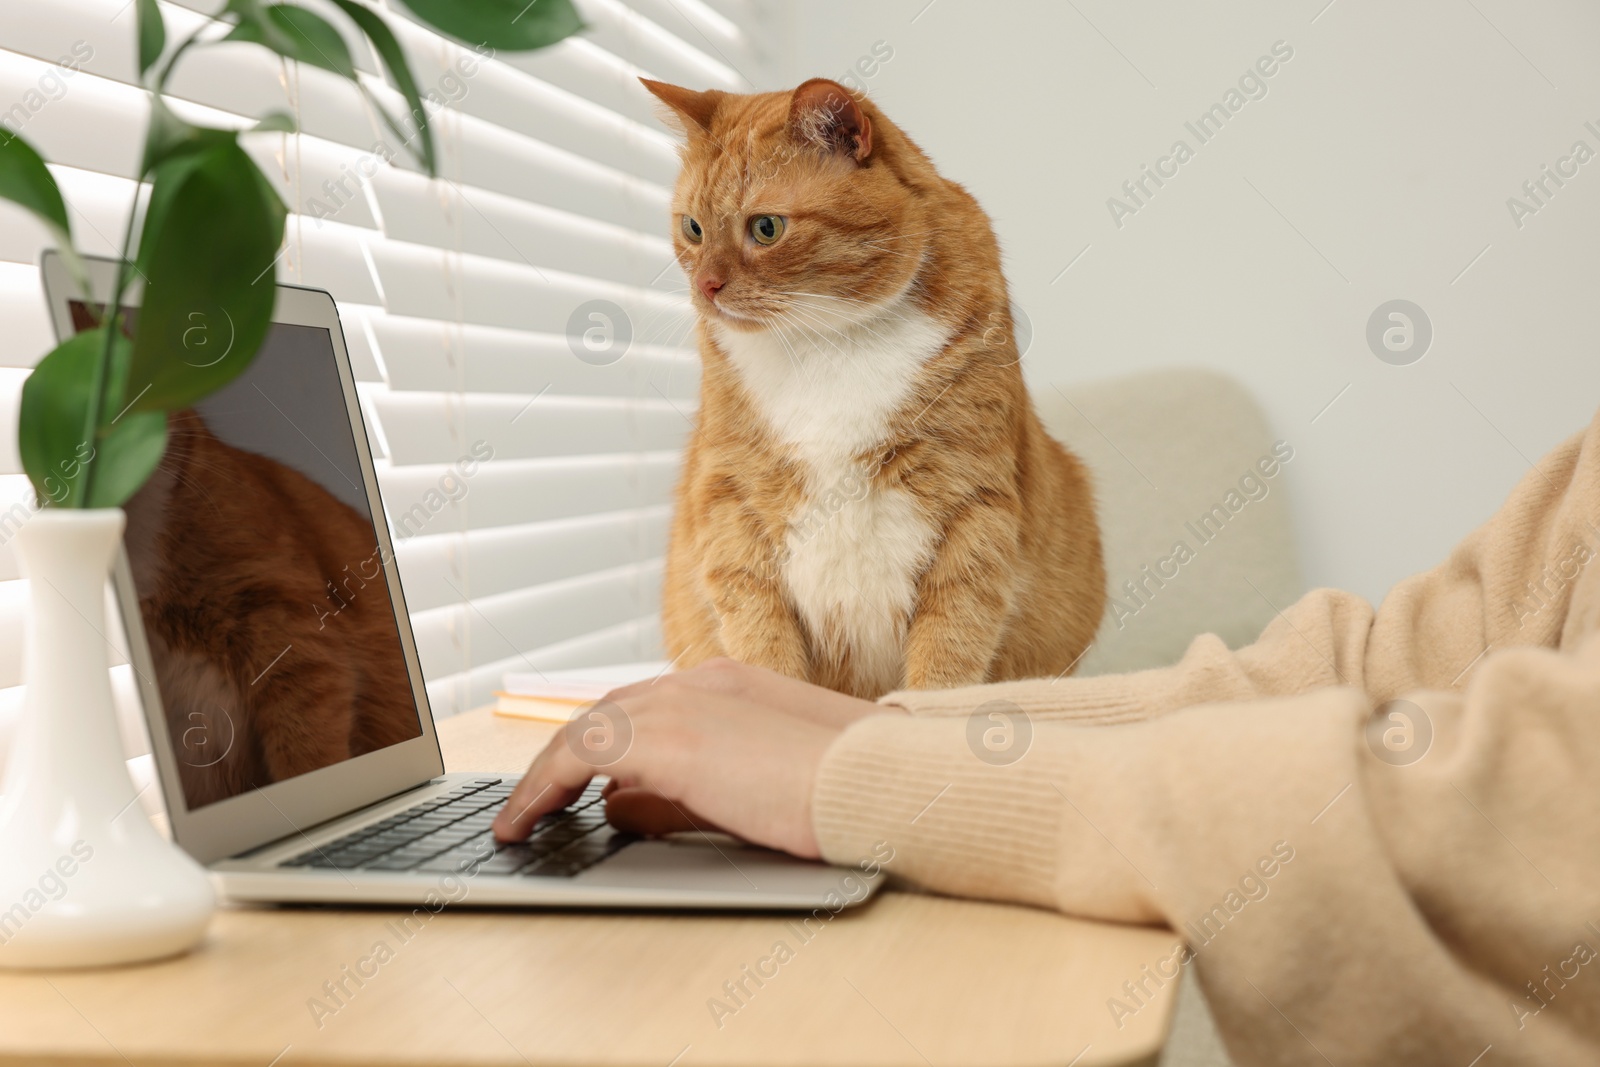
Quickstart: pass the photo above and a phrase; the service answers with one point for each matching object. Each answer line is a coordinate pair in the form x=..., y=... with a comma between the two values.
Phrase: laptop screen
x=261, y=581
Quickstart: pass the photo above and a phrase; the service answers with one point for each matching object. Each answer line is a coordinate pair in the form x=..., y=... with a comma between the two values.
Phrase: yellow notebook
x=538, y=708
x=557, y=696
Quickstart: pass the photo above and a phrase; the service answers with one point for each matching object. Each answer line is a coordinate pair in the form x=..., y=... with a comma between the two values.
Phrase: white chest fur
x=854, y=552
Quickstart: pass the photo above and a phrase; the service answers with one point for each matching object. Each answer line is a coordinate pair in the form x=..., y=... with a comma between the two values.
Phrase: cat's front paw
x=786, y=657
x=934, y=677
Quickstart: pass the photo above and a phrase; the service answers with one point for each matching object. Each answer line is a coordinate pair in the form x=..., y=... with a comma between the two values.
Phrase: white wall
x=1377, y=167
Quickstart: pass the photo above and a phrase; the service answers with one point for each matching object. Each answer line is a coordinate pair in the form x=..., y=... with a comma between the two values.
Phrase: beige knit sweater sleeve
x=1506, y=585
x=1342, y=900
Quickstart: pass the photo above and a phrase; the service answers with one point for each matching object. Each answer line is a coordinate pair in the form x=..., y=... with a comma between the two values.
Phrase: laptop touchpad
x=702, y=863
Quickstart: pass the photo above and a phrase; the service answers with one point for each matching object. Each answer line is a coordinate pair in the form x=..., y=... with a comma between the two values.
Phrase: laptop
x=267, y=629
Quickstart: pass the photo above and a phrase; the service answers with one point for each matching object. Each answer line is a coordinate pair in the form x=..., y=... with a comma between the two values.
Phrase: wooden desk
x=909, y=980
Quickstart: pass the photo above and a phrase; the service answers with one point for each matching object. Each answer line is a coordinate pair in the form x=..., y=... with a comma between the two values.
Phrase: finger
x=516, y=818
x=554, y=779
x=644, y=811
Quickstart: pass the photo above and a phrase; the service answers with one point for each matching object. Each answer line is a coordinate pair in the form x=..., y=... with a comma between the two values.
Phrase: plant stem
x=102, y=366
x=160, y=83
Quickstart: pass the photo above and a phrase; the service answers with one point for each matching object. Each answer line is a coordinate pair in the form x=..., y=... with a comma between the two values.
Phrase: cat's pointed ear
x=695, y=109
x=823, y=112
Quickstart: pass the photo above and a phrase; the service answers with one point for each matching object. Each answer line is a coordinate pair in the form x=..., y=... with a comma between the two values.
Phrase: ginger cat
x=868, y=500
x=263, y=601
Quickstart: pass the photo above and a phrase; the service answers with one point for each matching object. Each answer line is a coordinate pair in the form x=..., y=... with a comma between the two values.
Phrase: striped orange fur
x=868, y=500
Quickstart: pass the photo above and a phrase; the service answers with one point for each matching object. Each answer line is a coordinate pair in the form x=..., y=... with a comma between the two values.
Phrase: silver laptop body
x=271, y=829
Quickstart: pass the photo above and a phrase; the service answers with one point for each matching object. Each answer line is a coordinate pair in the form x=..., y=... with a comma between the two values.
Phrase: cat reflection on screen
x=268, y=619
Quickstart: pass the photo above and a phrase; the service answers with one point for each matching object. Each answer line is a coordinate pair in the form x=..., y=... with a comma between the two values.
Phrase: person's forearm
x=1274, y=832
x=1319, y=641
x=1506, y=585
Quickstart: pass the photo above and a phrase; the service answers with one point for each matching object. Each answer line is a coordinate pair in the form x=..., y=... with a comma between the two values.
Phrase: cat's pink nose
x=710, y=284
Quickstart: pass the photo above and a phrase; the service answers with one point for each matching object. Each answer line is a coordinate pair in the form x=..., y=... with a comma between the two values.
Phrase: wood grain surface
x=909, y=980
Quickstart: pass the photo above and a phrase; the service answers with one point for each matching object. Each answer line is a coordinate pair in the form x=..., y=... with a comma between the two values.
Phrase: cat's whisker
x=788, y=350
x=822, y=337
x=819, y=296
x=834, y=334
x=793, y=321
x=821, y=351
x=813, y=327
x=668, y=328
x=804, y=331
x=181, y=480
x=823, y=315
x=885, y=309
x=879, y=311
x=658, y=315
x=861, y=324
x=852, y=308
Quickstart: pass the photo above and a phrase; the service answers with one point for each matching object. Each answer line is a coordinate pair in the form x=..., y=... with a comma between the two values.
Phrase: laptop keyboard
x=450, y=834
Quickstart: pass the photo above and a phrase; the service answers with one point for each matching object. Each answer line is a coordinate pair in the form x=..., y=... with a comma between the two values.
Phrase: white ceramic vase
x=85, y=879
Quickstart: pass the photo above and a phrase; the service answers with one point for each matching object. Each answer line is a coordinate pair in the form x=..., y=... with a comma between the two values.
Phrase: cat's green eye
x=692, y=230
x=766, y=229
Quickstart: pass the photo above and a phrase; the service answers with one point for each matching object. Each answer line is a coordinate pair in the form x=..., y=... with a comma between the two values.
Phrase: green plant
x=93, y=423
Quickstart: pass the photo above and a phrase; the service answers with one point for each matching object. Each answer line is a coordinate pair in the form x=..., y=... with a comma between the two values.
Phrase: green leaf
x=173, y=148
x=394, y=58
x=28, y=183
x=55, y=401
x=169, y=137
x=514, y=25
x=130, y=450
x=275, y=122
x=295, y=33
x=55, y=408
x=211, y=236
x=408, y=138
x=152, y=35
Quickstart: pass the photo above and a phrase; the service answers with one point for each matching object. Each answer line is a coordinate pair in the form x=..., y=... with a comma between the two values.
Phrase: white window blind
x=459, y=298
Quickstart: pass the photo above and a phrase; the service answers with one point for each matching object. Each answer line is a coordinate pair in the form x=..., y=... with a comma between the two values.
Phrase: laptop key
x=378, y=845
x=433, y=844
x=444, y=831
x=325, y=862
x=448, y=863
x=561, y=834
x=578, y=856
x=510, y=861
x=557, y=866
x=395, y=861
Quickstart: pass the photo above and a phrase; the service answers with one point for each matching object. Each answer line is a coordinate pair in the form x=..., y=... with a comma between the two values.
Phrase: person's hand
x=767, y=689
x=720, y=746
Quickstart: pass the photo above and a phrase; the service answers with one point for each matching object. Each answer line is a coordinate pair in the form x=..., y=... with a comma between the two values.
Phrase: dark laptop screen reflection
x=260, y=580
